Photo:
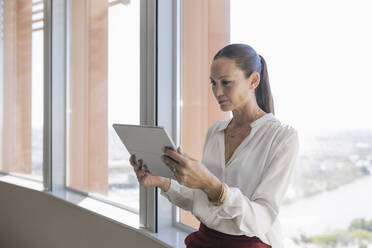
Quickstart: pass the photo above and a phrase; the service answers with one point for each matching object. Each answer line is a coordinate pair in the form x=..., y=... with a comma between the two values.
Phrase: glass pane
x=103, y=89
x=124, y=97
x=319, y=61
x=199, y=107
x=22, y=90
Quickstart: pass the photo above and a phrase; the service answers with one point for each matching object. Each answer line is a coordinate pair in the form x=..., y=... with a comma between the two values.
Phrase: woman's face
x=230, y=86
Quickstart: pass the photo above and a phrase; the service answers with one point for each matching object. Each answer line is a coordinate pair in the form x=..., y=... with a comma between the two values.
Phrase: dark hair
x=247, y=59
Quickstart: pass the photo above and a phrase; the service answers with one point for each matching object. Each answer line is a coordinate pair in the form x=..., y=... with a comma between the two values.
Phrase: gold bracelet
x=222, y=196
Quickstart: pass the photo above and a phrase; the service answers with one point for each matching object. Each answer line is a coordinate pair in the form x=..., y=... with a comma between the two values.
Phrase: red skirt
x=209, y=238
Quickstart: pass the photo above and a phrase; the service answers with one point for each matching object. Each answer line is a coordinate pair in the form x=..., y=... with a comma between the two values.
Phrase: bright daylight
x=319, y=59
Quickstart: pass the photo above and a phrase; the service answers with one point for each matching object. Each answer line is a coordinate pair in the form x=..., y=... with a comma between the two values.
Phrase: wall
x=31, y=219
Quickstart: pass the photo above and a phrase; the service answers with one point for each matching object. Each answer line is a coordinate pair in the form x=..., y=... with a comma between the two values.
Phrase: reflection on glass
x=103, y=89
x=124, y=101
x=21, y=83
x=199, y=107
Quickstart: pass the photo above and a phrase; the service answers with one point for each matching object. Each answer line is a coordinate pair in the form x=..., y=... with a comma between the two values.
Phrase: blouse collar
x=254, y=124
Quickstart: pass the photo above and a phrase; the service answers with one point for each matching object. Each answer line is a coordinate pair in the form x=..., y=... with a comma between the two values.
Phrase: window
x=319, y=58
x=92, y=80
x=103, y=88
x=321, y=81
x=21, y=82
x=199, y=107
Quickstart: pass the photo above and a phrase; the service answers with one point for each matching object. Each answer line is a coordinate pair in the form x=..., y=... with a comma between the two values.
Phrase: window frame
x=55, y=98
x=160, y=31
x=148, y=96
x=169, y=88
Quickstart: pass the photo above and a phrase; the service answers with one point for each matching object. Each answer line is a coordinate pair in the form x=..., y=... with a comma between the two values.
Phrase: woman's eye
x=225, y=82
x=213, y=83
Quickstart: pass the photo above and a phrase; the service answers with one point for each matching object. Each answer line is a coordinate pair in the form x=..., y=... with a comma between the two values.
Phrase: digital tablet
x=146, y=142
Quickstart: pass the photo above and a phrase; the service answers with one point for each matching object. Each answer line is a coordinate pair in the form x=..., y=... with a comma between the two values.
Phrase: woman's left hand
x=190, y=172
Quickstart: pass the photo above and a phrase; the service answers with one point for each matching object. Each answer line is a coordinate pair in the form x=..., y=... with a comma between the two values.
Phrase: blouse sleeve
x=180, y=195
x=253, y=216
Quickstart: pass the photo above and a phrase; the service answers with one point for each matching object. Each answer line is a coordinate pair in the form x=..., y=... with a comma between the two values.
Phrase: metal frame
x=55, y=85
x=102, y=199
x=55, y=99
x=177, y=97
x=58, y=94
x=168, y=86
x=22, y=176
x=47, y=139
x=175, y=13
x=148, y=99
x=169, y=90
x=54, y=95
x=1, y=73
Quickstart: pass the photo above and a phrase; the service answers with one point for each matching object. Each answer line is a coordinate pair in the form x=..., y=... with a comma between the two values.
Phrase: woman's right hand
x=145, y=178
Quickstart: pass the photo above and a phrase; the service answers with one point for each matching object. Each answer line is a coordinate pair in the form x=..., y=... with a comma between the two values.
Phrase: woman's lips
x=220, y=102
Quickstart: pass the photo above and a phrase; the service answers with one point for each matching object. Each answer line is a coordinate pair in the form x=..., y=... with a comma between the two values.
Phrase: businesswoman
x=248, y=160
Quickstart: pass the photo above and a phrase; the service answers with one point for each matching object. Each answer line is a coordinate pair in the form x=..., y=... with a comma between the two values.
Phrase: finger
x=169, y=147
x=169, y=162
x=181, y=151
x=132, y=159
x=174, y=167
x=140, y=163
x=142, y=173
x=137, y=166
x=172, y=160
x=146, y=168
x=180, y=158
x=145, y=174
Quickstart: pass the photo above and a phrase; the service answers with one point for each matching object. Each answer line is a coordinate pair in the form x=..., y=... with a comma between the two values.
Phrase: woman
x=247, y=163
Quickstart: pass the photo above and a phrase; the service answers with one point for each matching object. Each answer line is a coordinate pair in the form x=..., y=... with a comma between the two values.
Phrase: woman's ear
x=255, y=80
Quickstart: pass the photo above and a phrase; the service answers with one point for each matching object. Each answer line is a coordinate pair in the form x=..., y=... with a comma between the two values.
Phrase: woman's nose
x=218, y=90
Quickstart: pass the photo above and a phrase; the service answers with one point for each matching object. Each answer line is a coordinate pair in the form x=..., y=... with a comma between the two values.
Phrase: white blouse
x=256, y=177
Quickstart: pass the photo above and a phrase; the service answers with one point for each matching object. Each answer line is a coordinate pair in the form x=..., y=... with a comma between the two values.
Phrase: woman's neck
x=246, y=115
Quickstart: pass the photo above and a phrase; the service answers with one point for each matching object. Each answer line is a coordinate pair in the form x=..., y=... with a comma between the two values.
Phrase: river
x=333, y=209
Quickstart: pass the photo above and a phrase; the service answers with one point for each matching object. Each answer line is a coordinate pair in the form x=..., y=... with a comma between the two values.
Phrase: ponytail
x=263, y=92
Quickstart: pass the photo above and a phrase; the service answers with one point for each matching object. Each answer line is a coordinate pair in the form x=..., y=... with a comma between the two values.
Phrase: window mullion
x=55, y=95
x=148, y=107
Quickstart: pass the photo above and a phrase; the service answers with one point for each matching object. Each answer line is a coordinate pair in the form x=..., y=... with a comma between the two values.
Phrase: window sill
x=168, y=237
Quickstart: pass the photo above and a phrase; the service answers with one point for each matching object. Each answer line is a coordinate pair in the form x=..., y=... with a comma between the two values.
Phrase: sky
x=319, y=58
x=124, y=63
